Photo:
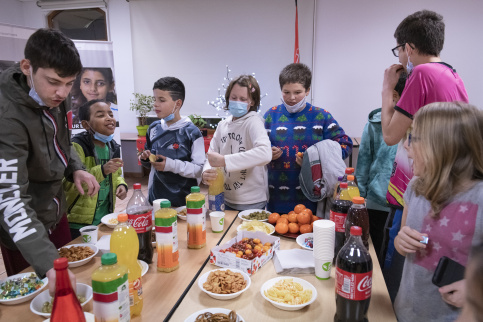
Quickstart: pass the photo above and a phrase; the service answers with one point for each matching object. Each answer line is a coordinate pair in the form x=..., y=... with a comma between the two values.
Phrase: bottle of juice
x=337, y=187
x=216, y=192
x=195, y=217
x=111, y=290
x=165, y=220
x=352, y=187
x=125, y=244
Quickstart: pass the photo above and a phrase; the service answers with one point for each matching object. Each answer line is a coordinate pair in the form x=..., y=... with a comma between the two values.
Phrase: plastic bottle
x=352, y=187
x=139, y=212
x=66, y=306
x=337, y=187
x=216, y=192
x=353, y=284
x=165, y=221
x=338, y=214
x=125, y=244
x=358, y=216
x=111, y=290
x=195, y=217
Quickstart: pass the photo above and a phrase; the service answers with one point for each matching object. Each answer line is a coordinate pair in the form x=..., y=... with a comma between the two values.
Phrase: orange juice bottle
x=165, y=220
x=125, y=244
x=195, y=217
x=352, y=187
x=216, y=192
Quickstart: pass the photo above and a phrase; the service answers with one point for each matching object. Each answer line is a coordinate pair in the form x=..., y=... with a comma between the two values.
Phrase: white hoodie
x=246, y=147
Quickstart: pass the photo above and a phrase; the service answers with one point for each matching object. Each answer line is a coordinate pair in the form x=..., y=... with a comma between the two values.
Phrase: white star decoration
x=428, y=228
x=463, y=209
x=455, y=249
x=444, y=221
x=436, y=246
x=458, y=236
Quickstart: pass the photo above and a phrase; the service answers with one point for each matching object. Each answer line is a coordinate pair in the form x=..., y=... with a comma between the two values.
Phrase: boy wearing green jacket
x=100, y=154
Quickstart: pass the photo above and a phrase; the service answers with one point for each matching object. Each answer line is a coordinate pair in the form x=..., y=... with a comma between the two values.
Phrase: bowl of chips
x=255, y=225
x=42, y=303
x=78, y=254
x=215, y=314
x=110, y=220
x=20, y=288
x=224, y=283
x=288, y=293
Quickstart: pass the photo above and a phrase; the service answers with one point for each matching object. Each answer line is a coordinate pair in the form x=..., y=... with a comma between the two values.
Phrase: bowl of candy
x=42, y=304
x=20, y=288
x=306, y=241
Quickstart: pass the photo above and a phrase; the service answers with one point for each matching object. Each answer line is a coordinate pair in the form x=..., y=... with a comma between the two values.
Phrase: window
x=83, y=24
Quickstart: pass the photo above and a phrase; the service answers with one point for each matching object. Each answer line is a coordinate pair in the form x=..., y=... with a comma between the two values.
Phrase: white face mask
x=33, y=92
x=297, y=107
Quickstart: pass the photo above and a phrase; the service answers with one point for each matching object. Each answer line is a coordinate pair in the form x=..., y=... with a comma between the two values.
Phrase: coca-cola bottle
x=139, y=213
x=338, y=214
x=353, y=280
x=358, y=216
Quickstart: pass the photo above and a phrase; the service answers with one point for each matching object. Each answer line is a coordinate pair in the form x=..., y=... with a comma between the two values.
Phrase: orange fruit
x=298, y=208
x=305, y=229
x=281, y=228
x=309, y=211
x=283, y=221
x=314, y=218
x=291, y=212
x=284, y=216
x=293, y=228
x=304, y=218
x=292, y=217
x=273, y=217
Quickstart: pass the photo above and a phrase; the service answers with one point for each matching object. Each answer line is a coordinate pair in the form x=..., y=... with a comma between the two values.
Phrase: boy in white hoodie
x=176, y=143
x=241, y=145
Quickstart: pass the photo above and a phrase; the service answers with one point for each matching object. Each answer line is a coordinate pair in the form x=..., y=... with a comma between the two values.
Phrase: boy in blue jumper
x=176, y=144
x=293, y=127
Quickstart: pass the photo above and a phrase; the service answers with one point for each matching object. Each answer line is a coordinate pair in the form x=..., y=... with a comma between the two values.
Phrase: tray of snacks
x=254, y=214
x=248, y=251
x=78, y=254
x=215, y=314
x=20, y=288
x=288, y=293
x=255, y=225
x=296, y=222
x=224, y=283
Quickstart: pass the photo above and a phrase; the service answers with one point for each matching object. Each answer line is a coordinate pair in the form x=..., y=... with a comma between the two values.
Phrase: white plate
x=85, y=260
x=304, y=237
x=178, y=210
x=144, y=267
x=89, y=317
x=272, y=228
x=204, y=277
x=193, y=316
x=37, y=303
x=106, y=218
x=104, y=244
x=287, y=307
x=26, y=297
x=249, y=211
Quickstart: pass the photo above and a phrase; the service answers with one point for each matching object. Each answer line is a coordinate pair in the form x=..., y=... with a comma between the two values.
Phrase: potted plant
x=142, y=104
x=199, y=122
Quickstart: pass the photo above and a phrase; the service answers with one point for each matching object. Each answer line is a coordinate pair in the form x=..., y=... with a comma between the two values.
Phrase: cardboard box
x=230, y=260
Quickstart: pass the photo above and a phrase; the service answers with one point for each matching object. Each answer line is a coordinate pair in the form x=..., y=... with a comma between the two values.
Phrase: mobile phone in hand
x=448, y=271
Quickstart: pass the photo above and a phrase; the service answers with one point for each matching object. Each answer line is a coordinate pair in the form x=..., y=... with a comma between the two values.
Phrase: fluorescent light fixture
x=71, y=4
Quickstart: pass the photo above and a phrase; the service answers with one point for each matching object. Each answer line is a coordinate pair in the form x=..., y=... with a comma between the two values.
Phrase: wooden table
x=161, y=290
x=253, y=307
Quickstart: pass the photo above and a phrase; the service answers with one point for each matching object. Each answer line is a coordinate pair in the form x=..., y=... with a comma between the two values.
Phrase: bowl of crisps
x=110, y=220
x=279, y=289
x=42, y=303
x=233, y=283
x=255, y=225
x=78, y=254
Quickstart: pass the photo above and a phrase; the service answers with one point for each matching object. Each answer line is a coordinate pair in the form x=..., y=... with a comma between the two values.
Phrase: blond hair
x=450, y=143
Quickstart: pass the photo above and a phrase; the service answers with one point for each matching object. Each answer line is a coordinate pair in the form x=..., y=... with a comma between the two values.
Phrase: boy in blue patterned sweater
x=292, y=127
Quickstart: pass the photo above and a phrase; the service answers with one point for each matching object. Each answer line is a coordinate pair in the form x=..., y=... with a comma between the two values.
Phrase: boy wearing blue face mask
x=240, y=145
x=176, y=143
x=100, y=154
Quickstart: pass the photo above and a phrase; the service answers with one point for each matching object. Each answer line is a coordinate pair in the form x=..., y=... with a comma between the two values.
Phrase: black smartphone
x=448, y=271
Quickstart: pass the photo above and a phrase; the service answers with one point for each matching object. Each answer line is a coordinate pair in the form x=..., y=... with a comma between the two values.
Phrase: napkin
x=294, y=261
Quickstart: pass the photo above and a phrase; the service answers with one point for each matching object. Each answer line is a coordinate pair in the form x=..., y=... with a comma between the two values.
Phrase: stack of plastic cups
x=324, y=237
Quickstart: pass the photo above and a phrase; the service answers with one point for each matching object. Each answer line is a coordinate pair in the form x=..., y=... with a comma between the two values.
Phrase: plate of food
x=110, y=220
x=42, y=303
x=20, y=288
x=288, y=293
x=181, y=212
x=144, y=267
x=306, y=241
x=255, y=225
x=224, y=283
x=78, y=254
x=215, y=314
x=254, y=214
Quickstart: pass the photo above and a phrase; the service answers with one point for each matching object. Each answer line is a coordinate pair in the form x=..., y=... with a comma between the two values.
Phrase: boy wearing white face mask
x=293, y=127
x=100, y=155
x=177, y=144
x=240, y=145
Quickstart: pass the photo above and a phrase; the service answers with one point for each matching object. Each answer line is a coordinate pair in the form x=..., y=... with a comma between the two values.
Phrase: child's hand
x=112, y=166
x=276, y=153
x=408, y=240
x=145, y=155
x=121, y=192
x=391, y=77
x=215, y=159
x=454, y=293
x=299, y=158
x=209, y=176
x=159, y=165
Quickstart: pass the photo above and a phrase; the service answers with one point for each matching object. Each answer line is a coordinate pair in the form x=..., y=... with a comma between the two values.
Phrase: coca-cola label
x=339, y=220
x=353, y=286
x=141, y=223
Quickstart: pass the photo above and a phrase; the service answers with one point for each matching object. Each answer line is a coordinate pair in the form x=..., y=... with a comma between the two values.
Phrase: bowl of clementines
x=296, y=222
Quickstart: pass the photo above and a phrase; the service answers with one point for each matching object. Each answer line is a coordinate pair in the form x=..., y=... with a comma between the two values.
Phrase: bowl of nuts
x=224, y=283
x=78, y=254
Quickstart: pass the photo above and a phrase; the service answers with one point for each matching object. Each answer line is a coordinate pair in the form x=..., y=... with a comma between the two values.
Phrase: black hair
x=50, y=48
x=296, y=73
x=174, y=86
x=401, y=83
x=424, y=29
x=108, y=76
x=85, y=110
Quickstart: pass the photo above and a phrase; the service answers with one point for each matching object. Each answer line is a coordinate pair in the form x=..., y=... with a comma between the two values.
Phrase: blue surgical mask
x=297, y=107
x=238, y=109
x=33, y=93
x=170, y=117
x=103, y=138
x=409, y=66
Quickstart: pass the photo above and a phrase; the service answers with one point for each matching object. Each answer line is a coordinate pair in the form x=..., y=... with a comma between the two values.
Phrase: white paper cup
x=89, y=234
x=323, y=268
x=157, y=204
x=217, y=221
x=324, y=237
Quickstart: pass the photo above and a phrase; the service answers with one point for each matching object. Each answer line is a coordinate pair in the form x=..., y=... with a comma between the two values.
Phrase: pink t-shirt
x=428, y=83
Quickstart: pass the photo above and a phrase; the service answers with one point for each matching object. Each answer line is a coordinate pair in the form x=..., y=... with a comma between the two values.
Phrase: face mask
x=238, y=109
x=409, y=66
x=295, y=108
x=33, y=93
x=103, y=138
x=170, y=117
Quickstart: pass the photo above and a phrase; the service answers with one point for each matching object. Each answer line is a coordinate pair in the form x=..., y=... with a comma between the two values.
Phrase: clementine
x=309, y=211
x=282, y=220
x=314, y=218
x=291, y=212
x=292, y=217
x=281, y=228
x=304, y=218
x=298, y=208
x=273, y=218
x=305, y=229
x=293, y=228
x=284, y=216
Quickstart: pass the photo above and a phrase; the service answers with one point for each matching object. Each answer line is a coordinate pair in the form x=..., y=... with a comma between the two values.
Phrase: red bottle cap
x=356, y=231
x=136, y=186
x=60, y=263
x=358, y=200
x=343, y=185
x=349, y=170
